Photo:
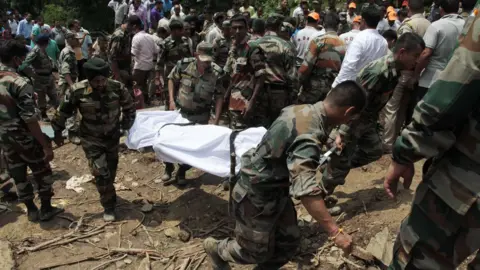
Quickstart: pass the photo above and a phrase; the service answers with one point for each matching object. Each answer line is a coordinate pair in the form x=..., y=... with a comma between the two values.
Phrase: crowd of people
x=371, y=80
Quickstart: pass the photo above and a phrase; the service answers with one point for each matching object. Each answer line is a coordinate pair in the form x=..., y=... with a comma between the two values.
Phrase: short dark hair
x=291, y=21
x=331, y=20
x=348, y=94
x=390, y=35
x=219, y=16
x=258, y=26
x=190, y=19
x=175, y=25
x=416, y=5
x=10, y=49
x=273, y=23
x=371, y=15
x=468, y=5
x=402, y=13
x=239, y=18
x=450, y=6
x=409, y=41
x=134, y=20
x=311, y=20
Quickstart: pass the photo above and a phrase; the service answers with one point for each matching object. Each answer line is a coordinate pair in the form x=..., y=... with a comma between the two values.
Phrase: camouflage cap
x=205, y=51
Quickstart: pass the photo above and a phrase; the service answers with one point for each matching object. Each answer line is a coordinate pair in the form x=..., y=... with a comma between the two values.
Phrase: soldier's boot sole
x=49, y=213
x=109, y=216
x=211, y=248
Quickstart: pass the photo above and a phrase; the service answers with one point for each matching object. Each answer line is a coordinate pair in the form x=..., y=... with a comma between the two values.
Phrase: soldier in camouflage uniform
x=199, y=82
x=241, y=73
x=21, y=138
x=284, y=164
x=379, y=78
x=101, y=102
x=222, y=44
x=102, y=50
x=118, y=50
x=67, y=64
x=173, y=49
x=275, y=82
x=321, y=64
x=42, y=65
x=441, y=230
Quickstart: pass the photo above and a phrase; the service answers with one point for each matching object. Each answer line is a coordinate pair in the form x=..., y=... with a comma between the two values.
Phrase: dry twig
x=102, y=265
x=73, y=261
x=120, y=235
x=149, y=237
x=352, y=263
x=200, y=262
x=219, y=225
x=185, y=263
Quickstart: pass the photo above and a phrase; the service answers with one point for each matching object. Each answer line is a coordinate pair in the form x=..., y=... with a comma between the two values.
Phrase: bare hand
x=345, y=242
x=48, y=152
x=171, y=106
x=395, y=171
x=339, y=142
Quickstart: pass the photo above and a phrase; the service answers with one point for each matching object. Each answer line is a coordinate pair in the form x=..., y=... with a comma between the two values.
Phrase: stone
x=6, y=256
x=134, y=184
x=184, y=236
x=157, y=181
x=381, y=247
x=127, y=261
x=146, y=208
x=153, y=223
x=95, y=240
x=135, y=161
x=171, y=232
x=164, y=260
x=120, y=264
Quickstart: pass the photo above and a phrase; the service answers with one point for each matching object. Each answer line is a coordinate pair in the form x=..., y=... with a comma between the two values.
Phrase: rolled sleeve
x=175, y=73
x=302, y=165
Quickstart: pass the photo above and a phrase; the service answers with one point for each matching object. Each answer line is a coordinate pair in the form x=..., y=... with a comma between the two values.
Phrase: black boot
x=181, y=181
x=109, y=215
x=48, y=211
x=167, y=174
x=32, y=211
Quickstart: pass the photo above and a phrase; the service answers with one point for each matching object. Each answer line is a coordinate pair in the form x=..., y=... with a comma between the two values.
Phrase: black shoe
x=180, y=178
x=32, y=211
x=109, y=215
x=48, y=213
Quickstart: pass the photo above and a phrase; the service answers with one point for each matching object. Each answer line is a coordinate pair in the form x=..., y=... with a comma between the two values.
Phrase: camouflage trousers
x=45, y=86
x=24, y=151
x=102, y=158
x=266, y=230
x=434, y=236
x=317, y=91
x=363, y=147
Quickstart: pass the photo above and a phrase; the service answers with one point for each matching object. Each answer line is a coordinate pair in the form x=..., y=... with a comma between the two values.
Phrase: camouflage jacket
x=39, y=61
x=322, y=61
x=17, y=106
x=119, y=48
x=239, y=67
x=445, y=126
x=196, y=92
x=379, y=78
x=274, y=57
x=222, y=47
x=67, y=64
x=288, y=155
x=172, y=51
x=100, y=110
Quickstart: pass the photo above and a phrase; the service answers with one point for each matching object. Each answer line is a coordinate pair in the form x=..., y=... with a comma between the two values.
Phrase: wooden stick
x=220, y=224
x=352, y=263
x=185, y=263
x=73, y=261
x=66, y=241
x=200, y=262
x=120, y=235
x=149, y=237
x=133, y=250
x=100, y=266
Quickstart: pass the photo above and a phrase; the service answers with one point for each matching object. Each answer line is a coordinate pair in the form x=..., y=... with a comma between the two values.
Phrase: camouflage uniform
x=44, y=83
x=275, y=58
x=171, y=51
x=320, y=67
x=67, y=63
x=441, y=230
x=21, y=149
x=119, y=48
x=283, y=164
x=363, y=144
x=222, y=47
x=196, y=92
x=99, y=129
x=241, y=72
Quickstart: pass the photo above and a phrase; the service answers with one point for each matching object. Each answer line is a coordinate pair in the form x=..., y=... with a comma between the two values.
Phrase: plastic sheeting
x=205, y=147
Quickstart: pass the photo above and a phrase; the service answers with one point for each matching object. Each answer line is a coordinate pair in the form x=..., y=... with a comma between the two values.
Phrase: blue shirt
x=167, y=6
x=24, y=28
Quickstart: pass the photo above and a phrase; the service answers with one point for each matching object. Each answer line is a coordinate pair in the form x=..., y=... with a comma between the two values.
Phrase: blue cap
x=42, y=38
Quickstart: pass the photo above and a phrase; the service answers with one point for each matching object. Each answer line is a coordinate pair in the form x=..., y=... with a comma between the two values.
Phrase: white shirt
x=349, y=36
x=212, y=34
x=143, y=50
x=302, y=38
x=175, y=17
x=13, y=25
x=366, y=47
x=382, y=26
x=121, y=10
x=298, y=11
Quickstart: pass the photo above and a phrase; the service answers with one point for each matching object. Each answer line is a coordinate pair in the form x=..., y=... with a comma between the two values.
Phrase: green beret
x=96, y=67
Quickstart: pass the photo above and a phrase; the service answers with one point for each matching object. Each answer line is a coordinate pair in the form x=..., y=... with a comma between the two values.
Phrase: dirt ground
x=199, y=210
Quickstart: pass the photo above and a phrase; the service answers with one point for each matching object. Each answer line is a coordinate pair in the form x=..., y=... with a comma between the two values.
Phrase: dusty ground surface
x=200, y=210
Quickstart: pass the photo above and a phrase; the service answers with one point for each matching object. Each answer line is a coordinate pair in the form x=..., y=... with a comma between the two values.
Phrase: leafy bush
x=52, y=13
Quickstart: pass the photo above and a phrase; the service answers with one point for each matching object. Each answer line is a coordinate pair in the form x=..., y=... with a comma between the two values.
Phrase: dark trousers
x=24, y=151
x=142, y=79
x=81, y=73
x=414, y=99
